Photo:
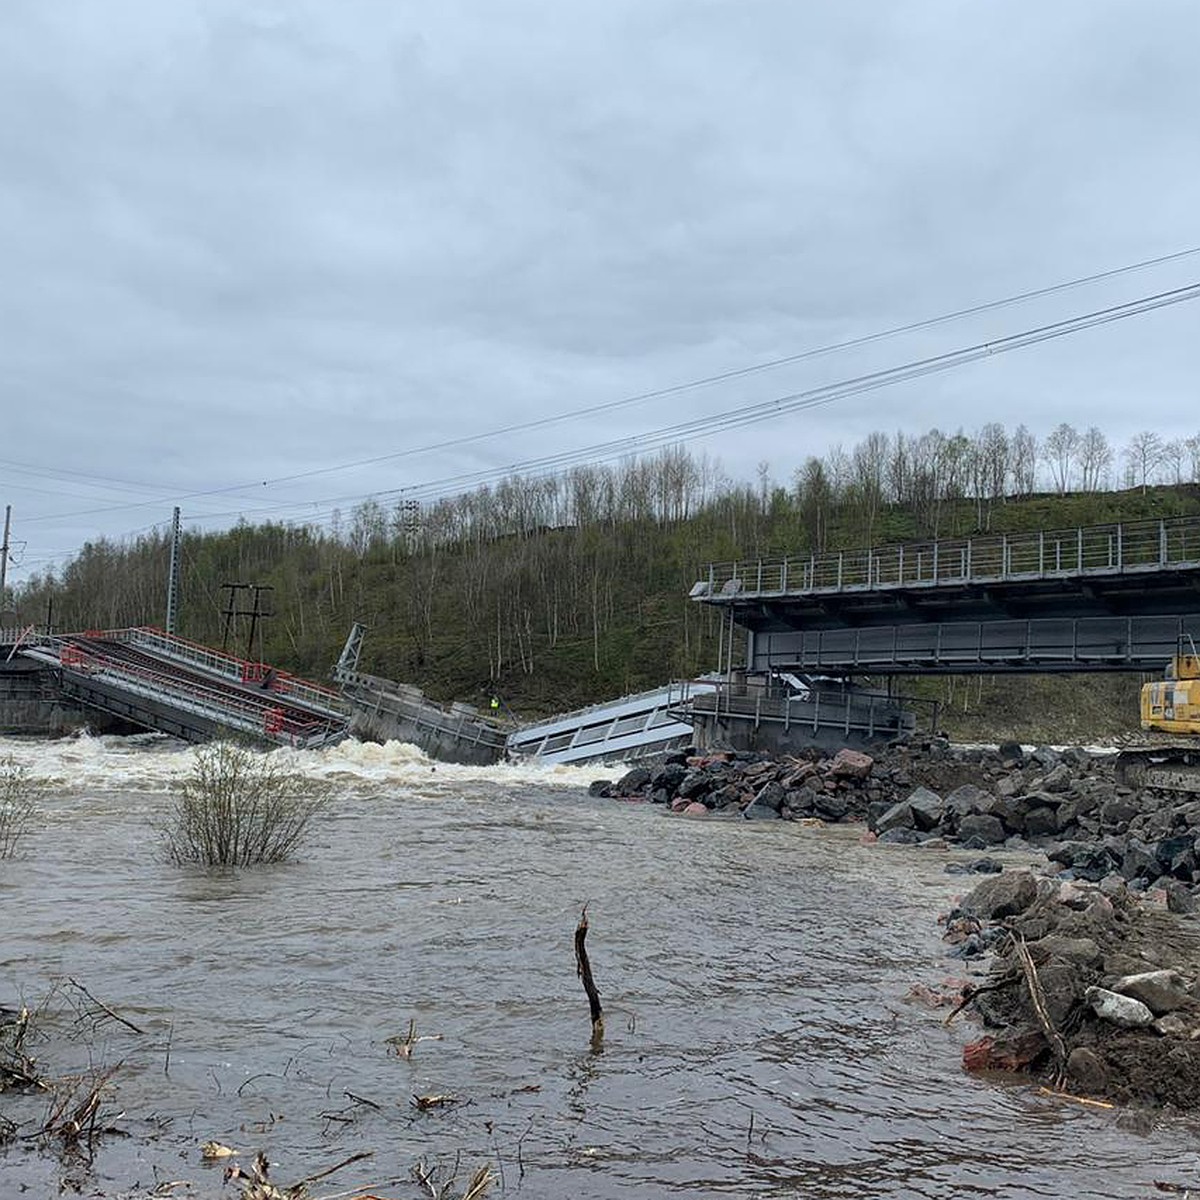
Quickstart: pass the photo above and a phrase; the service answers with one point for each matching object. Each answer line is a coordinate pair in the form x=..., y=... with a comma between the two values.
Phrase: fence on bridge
x=1127, y=547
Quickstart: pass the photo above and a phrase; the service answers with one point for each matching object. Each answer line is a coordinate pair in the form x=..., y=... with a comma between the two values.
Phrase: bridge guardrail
x=263, y=719
x=238, y=670
x=990, y=558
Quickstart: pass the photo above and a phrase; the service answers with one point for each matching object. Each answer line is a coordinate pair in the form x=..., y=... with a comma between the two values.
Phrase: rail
x=260, y=717
x=1171, y=543
x=238, y=670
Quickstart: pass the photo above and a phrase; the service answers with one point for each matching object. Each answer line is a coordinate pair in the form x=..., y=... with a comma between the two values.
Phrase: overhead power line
x=750, y=414
x=593, y=409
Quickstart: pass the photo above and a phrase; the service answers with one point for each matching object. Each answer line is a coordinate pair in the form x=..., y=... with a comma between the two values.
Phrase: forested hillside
x=558, y=591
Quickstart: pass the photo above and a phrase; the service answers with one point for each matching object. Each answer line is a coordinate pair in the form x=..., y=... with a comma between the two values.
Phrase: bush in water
x=239, y=807
x=18, y=802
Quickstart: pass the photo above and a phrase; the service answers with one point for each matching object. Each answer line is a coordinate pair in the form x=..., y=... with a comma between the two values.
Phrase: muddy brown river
x=759, y=1042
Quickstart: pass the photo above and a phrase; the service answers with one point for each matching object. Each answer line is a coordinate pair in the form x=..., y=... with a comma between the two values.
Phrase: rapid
x=754, y=975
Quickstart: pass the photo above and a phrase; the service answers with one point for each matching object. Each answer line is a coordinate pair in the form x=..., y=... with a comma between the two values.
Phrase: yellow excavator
x=1169, y=706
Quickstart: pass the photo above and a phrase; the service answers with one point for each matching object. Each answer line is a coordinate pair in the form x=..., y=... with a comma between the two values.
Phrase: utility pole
x=231, y=609
x=172, y=575
x=4, y=553
x=257, y=612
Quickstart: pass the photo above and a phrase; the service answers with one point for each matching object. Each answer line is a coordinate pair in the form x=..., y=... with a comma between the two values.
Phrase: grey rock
x=899, y=835
x=1076, y=757
x=833, y=806
x=928, y=809
x=1003, y=895
x=694, y=783
x=633, y=781
x=968, y=800
x=1139, y=861
x=1041, y=822
x=1011, y=754
x=1045, y=758
x=899, y=816
x=1077, y=950
x=1126, y=1011
x=1059, y=779
x=1118, y=812
x=669, y=777
x=981, y=830
x=600, y=787
x=771, y=795
x=1009, y=785
x=1086, y=1068
x=1173, y=1026
x=1180, y=898
x=1160, y=991
x=760, y=812
x=803, y=799
x=1177, y=855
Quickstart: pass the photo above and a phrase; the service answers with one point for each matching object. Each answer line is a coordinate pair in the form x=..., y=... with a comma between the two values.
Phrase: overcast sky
x=248, y=240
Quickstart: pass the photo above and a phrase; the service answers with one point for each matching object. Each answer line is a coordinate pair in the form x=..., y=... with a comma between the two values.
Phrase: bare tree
x=1142, y=456
x=1192, y=445
x=1023, y=457
x=1172, y=460
x=1059, y=451
x=1095, y=459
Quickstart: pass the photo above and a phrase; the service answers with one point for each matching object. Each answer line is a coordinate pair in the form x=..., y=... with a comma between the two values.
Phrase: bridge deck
x=1100, y=598
x=1095, y=568
x=191, y=691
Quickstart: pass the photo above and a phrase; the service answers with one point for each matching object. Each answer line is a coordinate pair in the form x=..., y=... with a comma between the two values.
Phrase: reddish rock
x=680, y=803
x=1003, y=1054
x=695, y=809
x=850, y=764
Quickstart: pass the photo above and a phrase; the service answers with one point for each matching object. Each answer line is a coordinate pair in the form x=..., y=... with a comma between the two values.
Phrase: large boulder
x=760, y=812
x=899, y=816
x=1059, y=779
x=1041, y=822
x=1011, y=754
x=968, y=800
x=1160, y=991
x=695, y=783
x=669, y=777
x=632, y=782
x=1120, y=1010
x=1003, y=895
x=980, y=830
x=771, y=795
x=928, y=809
x=850, y=764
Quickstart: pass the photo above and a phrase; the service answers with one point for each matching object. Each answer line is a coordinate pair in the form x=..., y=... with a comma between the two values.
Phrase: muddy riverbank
x=760, y=1039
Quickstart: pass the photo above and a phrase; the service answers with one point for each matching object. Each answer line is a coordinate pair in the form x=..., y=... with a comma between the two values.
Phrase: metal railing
x=637, y=724
x=845, y=710
x=371, y=695
x=1172, y=543
x=263, y=717
x=238, y=670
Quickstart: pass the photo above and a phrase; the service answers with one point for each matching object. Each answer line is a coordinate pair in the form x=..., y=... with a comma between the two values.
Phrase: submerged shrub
x=19, y=794
x=239, y=807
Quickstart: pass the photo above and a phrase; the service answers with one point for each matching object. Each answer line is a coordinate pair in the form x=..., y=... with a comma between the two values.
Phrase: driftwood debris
x=96, y=1011
x=583, y=968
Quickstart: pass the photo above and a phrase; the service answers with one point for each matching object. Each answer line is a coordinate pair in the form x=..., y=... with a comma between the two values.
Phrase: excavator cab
x=1173, y=704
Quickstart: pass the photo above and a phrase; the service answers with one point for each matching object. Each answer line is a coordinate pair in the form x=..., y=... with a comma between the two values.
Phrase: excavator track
x=1166, y=763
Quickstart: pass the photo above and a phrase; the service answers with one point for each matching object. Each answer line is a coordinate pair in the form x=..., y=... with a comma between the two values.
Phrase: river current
x=759, y=1042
